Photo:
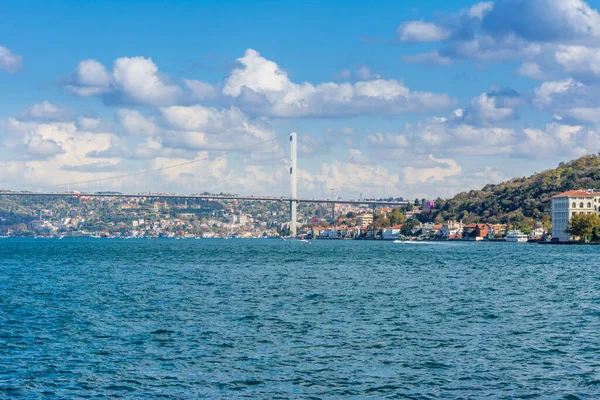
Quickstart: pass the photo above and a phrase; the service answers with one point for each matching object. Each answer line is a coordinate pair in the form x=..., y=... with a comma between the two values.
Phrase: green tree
x=396, y=217
x=583, y=226
x=408, y=226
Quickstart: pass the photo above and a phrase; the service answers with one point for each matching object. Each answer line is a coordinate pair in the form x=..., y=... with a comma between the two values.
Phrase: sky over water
x=435, y=97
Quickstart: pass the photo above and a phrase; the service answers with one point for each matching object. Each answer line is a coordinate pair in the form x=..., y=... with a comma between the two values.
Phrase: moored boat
x=516, y=236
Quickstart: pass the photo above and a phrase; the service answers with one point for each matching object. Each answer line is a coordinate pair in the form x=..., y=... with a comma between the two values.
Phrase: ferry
x=516, y=236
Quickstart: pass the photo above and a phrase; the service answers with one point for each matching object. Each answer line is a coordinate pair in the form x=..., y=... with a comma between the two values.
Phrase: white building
x=451, y=228
x=390, y=233
x=567, y=204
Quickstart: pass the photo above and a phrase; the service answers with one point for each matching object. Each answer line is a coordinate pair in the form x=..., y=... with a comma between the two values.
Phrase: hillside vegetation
x=520, y=201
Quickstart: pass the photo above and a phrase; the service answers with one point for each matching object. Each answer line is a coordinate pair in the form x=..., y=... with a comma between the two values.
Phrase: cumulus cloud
x=88, y=123
x=261, y=86
x=420, y=31
x=139, y=79
x=435, y=170
x=559, y=139
x=544, y=20
x=581, y=61
x=198, y=127
x=89, y=79
x=44, y=111
x=201, y=90
x=351, y=179
x=134, y=123
x=132, y=79
x=531, y=70
x=492, y=107
x=9, y=61
x=541, y=34
x=549, y=93
x=49, y=153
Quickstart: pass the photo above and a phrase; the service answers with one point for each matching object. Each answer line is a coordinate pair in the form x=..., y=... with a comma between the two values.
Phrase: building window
x=581, y=205
x=589, y=205
x=574, y=205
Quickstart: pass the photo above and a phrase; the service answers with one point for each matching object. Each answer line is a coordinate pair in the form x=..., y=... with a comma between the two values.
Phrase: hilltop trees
x=521, y=200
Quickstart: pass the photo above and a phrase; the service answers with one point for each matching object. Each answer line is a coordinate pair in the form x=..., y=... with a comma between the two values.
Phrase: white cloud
x=351, y=179
x=579, y=60
x=44, y=111
x=541, y=34
x=134, y=123
x=389, y=140
x=420, y=31
x=88, y=124
x=586, y=115
x=258, y=74
x=89, y=79
x=259, y=85
x=447, y=136
x=47, y=154
x=547, y=92
x=9, y=61
x=544, y=20
x=531, y=70
x=201, y=90
x=436, y=171
x=557, y=140
x=137, y=79
x=479, y=10
x=198, y=127
x=484, y=109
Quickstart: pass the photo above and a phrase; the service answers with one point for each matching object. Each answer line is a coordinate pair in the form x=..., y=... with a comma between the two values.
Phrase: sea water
x=285, y=319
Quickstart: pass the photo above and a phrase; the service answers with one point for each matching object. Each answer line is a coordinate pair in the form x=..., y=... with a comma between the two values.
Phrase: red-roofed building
x=475, y=232
x=569, y=203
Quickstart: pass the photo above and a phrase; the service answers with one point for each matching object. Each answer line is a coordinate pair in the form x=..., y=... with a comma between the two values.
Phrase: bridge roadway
x=207, y=197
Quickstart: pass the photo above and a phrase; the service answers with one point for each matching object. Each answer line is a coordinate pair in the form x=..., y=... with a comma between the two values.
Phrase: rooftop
x=574, y=193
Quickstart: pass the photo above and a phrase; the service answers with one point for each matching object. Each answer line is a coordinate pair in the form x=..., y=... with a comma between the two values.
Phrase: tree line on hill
x=521, y=201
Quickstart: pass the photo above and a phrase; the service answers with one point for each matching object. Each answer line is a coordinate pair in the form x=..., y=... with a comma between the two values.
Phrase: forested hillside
x=520, y=200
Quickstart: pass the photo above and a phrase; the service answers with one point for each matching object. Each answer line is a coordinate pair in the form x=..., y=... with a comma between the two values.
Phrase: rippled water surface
x=275, y=319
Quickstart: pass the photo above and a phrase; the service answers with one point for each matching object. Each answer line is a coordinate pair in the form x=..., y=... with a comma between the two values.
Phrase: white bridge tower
x=293, y=184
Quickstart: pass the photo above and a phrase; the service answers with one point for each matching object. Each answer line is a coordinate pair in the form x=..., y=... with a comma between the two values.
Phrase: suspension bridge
x=293, y=198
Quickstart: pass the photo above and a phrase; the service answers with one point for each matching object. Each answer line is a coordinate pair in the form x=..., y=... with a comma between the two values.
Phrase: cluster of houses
x=451, y=230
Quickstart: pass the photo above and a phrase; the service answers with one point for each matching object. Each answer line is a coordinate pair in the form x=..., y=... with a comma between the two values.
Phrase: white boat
x=516, y=236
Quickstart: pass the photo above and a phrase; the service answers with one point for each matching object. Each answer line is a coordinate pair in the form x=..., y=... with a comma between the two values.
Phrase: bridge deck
x=206, y=197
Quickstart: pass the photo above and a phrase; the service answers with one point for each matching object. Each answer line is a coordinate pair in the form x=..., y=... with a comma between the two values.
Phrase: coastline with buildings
x=139, y=217
x=554, y=206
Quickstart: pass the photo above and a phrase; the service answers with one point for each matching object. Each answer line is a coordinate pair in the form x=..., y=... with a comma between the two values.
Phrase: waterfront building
x=391, y=233
x=475, y=232
x=566, y=205
x=451, y=228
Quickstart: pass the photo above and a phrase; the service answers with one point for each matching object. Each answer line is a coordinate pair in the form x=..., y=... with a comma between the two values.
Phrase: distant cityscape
x=143, y=217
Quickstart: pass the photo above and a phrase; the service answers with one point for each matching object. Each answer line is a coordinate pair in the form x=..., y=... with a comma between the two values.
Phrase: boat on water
x=305, y=241
x=516, y=236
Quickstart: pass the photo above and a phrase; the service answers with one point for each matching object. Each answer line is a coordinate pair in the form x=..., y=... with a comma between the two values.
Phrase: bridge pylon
x=293, y=183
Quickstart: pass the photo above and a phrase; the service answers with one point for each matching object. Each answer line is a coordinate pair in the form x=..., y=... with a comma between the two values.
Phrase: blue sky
x=436, y=96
